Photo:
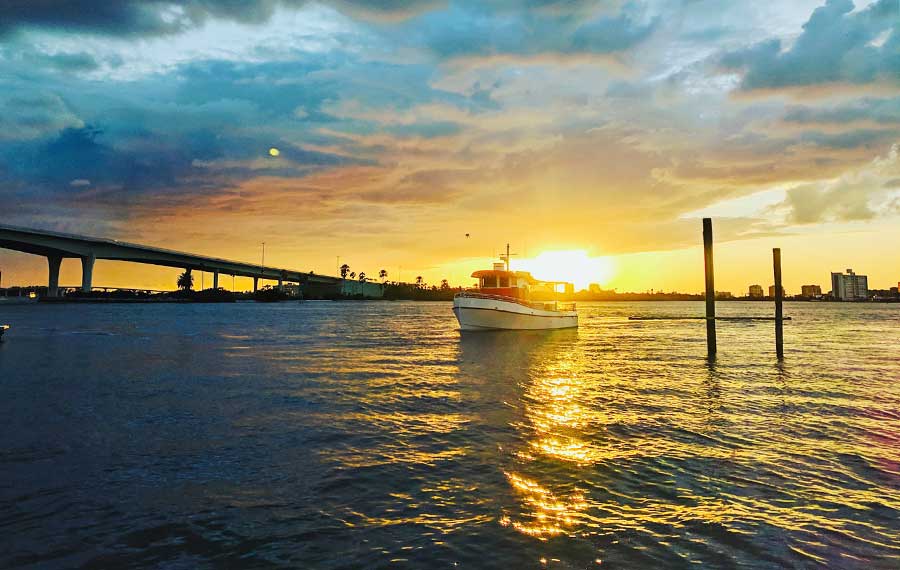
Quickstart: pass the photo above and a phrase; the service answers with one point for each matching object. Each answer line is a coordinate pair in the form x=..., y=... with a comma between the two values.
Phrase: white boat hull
x=494, y=314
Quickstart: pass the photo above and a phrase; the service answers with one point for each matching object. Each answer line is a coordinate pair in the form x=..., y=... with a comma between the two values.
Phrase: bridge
x=56, y=246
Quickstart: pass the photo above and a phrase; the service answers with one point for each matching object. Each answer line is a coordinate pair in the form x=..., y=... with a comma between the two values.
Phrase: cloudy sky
x=609, y=127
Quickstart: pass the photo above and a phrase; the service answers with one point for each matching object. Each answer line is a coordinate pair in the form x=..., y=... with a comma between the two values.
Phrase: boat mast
x=505, y=258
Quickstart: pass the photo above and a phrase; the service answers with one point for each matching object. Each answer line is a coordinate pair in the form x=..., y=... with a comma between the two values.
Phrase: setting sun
x=574, y=266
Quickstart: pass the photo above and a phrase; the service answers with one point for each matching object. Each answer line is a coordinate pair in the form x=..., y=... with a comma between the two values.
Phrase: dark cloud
x=464, y=28
x=114, y=18
x=851, y=139
x=609, y=35
x=158, y=17
x=484, y=29
x=82, y=153
x=837, y=44
x=31, y=113
x=74, y=62
x=879, y=111
x=198, y=130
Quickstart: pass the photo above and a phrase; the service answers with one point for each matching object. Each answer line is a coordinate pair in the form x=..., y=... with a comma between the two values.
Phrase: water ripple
x=368, y=435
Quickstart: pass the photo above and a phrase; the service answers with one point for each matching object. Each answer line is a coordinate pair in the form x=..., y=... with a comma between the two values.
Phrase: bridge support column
x=255, y=284
x=280, y=284
x=87, y=272
x=215, y=279
x=53, y=262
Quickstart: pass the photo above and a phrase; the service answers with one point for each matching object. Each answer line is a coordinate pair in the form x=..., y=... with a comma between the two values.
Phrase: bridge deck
x=62, y=245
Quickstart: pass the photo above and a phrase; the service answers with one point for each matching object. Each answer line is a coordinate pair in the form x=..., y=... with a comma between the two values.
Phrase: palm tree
x=444, y=285
x=345, y=269
x=362, y=277
x=419, y=281
x=353, y=275
x=382, y=275
x=185, y=281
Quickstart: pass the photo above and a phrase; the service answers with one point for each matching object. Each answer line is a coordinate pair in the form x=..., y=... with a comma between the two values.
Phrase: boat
x=502, y=300
x=3, y=329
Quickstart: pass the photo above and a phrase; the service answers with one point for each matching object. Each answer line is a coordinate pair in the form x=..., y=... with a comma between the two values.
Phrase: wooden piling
x=779, y=297
x=710, y=288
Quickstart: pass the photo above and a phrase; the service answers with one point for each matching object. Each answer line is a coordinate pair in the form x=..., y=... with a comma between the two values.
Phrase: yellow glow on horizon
x=573, y=265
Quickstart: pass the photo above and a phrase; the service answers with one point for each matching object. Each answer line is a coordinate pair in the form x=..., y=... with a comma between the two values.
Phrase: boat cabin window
x=493, y=281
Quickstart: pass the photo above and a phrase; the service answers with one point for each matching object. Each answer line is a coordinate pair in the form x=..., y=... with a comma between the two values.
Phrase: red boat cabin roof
x=482, y=273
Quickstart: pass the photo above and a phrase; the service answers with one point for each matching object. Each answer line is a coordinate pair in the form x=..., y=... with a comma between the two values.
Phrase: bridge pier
x=215, y=279
x=87, y=272
x=255, y=284
x=280, y=284
x=53, y=263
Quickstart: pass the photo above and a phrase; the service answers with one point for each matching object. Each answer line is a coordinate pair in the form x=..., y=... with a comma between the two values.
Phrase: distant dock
x=676, y=318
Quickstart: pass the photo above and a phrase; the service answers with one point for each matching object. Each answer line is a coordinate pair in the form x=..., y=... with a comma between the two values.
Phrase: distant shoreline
x=9, y=301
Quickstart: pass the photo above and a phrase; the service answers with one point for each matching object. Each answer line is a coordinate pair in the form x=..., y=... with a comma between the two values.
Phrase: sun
x=274, y=151
x=573, y=265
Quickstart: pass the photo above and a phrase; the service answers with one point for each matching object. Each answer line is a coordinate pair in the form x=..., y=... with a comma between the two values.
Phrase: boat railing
x=539, y=305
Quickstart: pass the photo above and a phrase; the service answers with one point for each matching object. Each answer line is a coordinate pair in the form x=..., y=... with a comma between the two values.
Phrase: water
x=370, y=435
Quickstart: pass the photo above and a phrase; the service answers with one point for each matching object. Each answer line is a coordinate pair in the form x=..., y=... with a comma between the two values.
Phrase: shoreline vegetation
x=391, y=292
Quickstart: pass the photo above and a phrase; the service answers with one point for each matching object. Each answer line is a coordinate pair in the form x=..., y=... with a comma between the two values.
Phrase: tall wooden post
x=779, y=297
x=710, y=288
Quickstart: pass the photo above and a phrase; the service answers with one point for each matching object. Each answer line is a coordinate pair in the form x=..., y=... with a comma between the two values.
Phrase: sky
x=422, y=136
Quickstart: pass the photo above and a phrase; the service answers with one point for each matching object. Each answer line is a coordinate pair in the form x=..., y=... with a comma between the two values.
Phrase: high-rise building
x=772, y=291
x=849, y=286
x=811, y=291
x=755, y=292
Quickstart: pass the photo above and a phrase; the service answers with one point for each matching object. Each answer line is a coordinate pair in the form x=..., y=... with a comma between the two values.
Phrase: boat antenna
x=506, y=257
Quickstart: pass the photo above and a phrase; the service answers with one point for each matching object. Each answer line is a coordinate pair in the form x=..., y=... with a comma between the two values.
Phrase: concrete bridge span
x=56, y=246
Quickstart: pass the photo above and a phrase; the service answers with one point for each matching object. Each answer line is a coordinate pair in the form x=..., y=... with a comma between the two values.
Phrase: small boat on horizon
x=502, y=301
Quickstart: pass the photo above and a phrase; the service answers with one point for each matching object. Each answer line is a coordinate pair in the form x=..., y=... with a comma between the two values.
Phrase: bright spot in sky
x=274, y=151
x=574, y=266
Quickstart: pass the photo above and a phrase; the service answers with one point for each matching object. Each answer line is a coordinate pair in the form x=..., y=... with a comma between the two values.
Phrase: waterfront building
x=724, y=295
x=849, y=286
x=811, y=291
x=772, y=291
x=755, y=292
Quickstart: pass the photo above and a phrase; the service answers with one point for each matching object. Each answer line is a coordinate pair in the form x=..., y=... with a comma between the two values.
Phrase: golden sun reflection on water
x=549, y=514
x=555, y=417
x=554, y=409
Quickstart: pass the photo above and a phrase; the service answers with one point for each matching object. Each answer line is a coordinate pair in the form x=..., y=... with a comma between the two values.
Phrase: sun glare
x=574, y=266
